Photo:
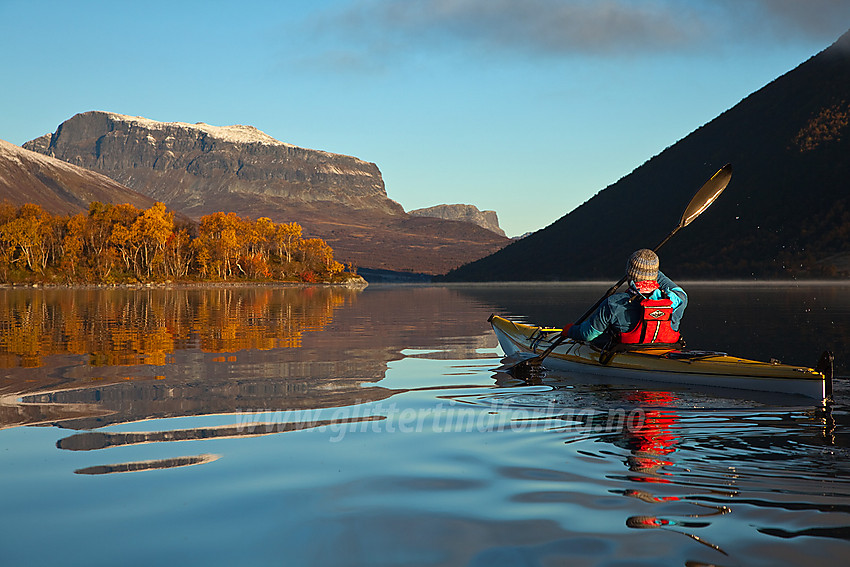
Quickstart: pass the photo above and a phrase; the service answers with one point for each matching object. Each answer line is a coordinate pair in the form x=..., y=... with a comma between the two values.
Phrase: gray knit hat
x=642, y=265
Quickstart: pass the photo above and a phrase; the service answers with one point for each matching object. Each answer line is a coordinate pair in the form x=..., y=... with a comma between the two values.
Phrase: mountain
x=192, y=167
x=786, y=212
x=200, y=169
x=58, y=187
x=464, y=213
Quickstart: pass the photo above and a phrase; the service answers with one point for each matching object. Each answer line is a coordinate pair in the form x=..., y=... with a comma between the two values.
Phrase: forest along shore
x=121, y=244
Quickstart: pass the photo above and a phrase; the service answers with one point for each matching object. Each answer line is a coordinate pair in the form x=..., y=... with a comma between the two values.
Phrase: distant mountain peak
x=463, y=213
x=193, y=167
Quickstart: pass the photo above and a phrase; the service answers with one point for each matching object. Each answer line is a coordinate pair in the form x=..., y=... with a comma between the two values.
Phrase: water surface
x=317, y=426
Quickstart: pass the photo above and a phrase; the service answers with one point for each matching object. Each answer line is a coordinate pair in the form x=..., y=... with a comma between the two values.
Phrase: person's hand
x=565, y=332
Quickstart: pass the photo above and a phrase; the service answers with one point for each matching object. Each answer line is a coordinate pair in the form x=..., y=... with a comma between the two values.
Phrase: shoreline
x=361, y=283
x=351, y=284
x=683, y=282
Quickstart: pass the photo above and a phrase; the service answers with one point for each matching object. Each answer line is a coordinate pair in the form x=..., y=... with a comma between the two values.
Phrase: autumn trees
x=120, y=243
x=228, y=246
x=27, y=237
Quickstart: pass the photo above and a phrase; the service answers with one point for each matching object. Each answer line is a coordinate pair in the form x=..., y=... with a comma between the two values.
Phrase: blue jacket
x=619, y=314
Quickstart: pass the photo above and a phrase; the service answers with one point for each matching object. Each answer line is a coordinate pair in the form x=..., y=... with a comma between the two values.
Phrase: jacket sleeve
x=677, y=296
x=594, y=325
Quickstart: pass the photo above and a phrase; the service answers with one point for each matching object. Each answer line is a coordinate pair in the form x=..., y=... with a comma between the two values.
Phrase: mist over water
x=320, y=426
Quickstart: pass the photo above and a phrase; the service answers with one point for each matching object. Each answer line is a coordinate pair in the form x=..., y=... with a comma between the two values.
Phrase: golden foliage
x=127, y=327
x=827, y=126
x=120, y=243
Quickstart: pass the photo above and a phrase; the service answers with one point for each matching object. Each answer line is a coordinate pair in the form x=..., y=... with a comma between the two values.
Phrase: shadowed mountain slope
x=785, y=213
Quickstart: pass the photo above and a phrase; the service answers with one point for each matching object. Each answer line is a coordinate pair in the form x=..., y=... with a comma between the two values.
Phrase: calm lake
x=314, y=426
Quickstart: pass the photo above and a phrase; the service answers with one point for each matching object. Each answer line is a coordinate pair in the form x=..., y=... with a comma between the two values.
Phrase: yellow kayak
x=693, y=368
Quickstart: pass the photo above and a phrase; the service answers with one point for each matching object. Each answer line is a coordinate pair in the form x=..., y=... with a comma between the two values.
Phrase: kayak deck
x=695, y=368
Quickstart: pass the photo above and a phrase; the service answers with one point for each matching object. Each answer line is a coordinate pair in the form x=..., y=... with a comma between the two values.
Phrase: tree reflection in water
x=146, y=326
x=89, y=358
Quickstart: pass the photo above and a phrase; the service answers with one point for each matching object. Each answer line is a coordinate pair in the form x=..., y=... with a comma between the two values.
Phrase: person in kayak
x=648, y=312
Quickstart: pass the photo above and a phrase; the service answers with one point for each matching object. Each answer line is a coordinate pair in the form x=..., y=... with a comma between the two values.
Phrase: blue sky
x=526, y=107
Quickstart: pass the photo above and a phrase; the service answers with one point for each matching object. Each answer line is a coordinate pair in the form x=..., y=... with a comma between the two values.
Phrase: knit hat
x=642, y=265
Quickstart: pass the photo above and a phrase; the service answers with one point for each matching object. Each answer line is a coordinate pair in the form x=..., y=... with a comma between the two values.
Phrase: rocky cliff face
x=463, y=213
x=58, y=187
x=198, y=168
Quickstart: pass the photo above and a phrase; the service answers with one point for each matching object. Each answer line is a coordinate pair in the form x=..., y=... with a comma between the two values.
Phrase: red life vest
x=654, y=326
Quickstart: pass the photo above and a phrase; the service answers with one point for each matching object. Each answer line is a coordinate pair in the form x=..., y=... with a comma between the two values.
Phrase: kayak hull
x=691, y=368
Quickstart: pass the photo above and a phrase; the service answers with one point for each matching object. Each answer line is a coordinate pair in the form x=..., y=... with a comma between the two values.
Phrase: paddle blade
x=706, y=195
x=511, y=362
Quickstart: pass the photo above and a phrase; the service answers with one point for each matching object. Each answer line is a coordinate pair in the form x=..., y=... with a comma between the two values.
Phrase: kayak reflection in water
x=649, y=312
x=651, y=444
x=651, y=441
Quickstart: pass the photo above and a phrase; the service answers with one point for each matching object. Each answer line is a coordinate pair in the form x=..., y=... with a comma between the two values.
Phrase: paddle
x=699, y=203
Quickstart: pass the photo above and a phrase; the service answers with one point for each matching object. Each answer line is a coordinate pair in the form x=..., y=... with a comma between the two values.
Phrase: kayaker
x=648, y=312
